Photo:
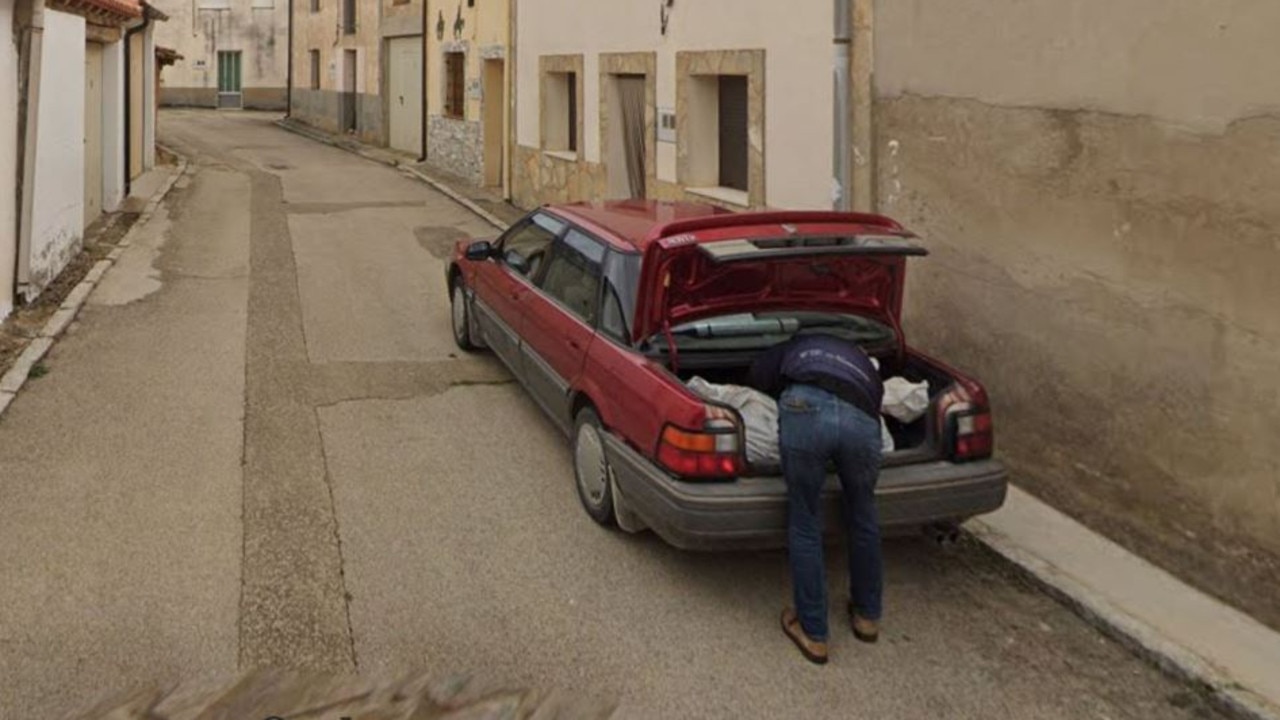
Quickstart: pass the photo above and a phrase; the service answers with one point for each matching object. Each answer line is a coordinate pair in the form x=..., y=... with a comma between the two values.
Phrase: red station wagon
x=604, y=311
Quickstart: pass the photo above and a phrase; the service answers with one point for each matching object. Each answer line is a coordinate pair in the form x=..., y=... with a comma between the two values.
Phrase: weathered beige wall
x=1098, y=182
x=258, y=30
x=322, y=31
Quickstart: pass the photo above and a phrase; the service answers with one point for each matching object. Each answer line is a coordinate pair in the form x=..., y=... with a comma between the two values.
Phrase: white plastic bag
x=904, y=400
x=759, y=414
x=886, y=438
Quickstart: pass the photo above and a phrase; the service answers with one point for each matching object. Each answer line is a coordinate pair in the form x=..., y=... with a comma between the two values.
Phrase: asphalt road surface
x=258, y=447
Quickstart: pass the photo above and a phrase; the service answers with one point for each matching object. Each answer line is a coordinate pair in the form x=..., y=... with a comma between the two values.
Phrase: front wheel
x=461, y=315
x=591, y=468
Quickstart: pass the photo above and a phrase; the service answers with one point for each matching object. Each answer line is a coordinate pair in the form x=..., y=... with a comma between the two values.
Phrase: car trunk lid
x=832, y=262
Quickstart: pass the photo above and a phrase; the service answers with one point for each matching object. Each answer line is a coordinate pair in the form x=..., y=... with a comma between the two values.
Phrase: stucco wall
x=8, y=155
x=1098, y=184
x=259, y=33
x=57, y=220
x=797, y=86
x=318, y=31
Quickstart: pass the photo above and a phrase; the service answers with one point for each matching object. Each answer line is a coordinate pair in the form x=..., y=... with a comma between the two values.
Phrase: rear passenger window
x=525, y=246
x=573, y=275
x=618, y=300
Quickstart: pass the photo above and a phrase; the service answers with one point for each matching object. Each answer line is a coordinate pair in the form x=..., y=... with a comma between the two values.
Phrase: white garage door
x=405, y=94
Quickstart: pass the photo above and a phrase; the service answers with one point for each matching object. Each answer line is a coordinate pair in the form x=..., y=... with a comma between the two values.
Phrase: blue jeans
x=816, y=429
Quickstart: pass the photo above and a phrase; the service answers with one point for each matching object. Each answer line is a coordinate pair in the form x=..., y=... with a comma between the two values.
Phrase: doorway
x=229, y=93
x=627, y=141
x=350, y=75
x=404, y=83
x=494, y=105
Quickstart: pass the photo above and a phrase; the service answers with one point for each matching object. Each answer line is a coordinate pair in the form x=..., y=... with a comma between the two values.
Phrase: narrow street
x=259, y=447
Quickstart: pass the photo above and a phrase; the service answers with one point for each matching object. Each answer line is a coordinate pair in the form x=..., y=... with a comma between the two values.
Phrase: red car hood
x=768, y=268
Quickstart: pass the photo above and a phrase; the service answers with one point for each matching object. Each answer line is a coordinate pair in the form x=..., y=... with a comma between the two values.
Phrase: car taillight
x=967, y=426
x=715, y=451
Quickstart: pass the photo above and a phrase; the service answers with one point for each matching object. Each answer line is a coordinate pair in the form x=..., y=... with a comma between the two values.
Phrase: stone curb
x=1134, y=634
x=56, y=325
x=1137, y=636
x=323, y=137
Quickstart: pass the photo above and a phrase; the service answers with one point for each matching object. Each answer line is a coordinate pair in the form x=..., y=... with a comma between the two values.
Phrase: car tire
x=591, y=472
x=460, y=317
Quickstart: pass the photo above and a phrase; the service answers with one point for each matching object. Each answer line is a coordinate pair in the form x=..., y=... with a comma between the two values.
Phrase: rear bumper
x=751, y=512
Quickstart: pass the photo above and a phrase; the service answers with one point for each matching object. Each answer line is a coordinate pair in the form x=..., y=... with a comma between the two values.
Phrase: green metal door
x=229, y=79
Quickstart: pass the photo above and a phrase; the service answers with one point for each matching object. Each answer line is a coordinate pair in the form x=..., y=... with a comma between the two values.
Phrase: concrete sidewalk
x=1177, y=627
x=1161, y=618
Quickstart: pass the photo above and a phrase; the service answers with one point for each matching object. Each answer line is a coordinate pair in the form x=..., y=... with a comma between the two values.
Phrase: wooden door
x=405, y=94
x=92, y=132
x=494, y=137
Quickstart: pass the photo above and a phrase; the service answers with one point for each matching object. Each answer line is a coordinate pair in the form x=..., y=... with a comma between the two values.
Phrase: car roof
x=630, y=224
x=637, y=224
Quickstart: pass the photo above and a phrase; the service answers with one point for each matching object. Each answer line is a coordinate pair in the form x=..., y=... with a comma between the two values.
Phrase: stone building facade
x=235, y=53
x=674, y=104
x=337, y=67
x=467, y=89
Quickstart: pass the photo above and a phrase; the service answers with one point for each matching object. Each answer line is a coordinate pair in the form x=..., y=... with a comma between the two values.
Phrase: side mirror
x=480, y=251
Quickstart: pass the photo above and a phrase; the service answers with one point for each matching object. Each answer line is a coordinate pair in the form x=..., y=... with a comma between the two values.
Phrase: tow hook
x=945, y=534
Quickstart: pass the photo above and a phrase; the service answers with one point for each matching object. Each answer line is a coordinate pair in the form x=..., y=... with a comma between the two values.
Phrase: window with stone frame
x=315, y=69
x=455, y=84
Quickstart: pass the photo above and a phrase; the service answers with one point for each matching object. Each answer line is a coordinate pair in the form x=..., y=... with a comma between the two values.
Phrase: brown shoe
x=868, y=631
x=813, y=650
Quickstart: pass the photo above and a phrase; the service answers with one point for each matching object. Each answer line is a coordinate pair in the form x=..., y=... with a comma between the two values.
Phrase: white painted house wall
x=796, y=38
x=8, y=155
x=113, y=126
x=57, y=222
x=149, y=98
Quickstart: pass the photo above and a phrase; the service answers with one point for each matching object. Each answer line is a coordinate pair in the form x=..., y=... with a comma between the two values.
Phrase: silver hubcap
x=459, y=313
x=588, y=457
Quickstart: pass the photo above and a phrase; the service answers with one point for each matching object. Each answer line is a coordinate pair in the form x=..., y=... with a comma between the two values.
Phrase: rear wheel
x=591, y=467
x=461, y=315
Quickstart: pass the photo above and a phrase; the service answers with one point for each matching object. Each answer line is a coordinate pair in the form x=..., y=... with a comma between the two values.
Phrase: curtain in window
x=631, y=94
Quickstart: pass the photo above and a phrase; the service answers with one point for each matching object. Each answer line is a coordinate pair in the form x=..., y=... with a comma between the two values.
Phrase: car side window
x=618, y=299
x=525, y=246
x=573, y=274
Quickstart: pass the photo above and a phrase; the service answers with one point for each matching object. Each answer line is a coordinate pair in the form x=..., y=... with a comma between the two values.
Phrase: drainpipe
x=29, y=134
x=288, y=92
x=510, y=67
x=128, y=98
x=422, y=157
x=841, y=145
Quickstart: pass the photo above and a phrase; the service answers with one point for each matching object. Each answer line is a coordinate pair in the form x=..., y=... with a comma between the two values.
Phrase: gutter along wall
x=1098, y=184
x=9, y=150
